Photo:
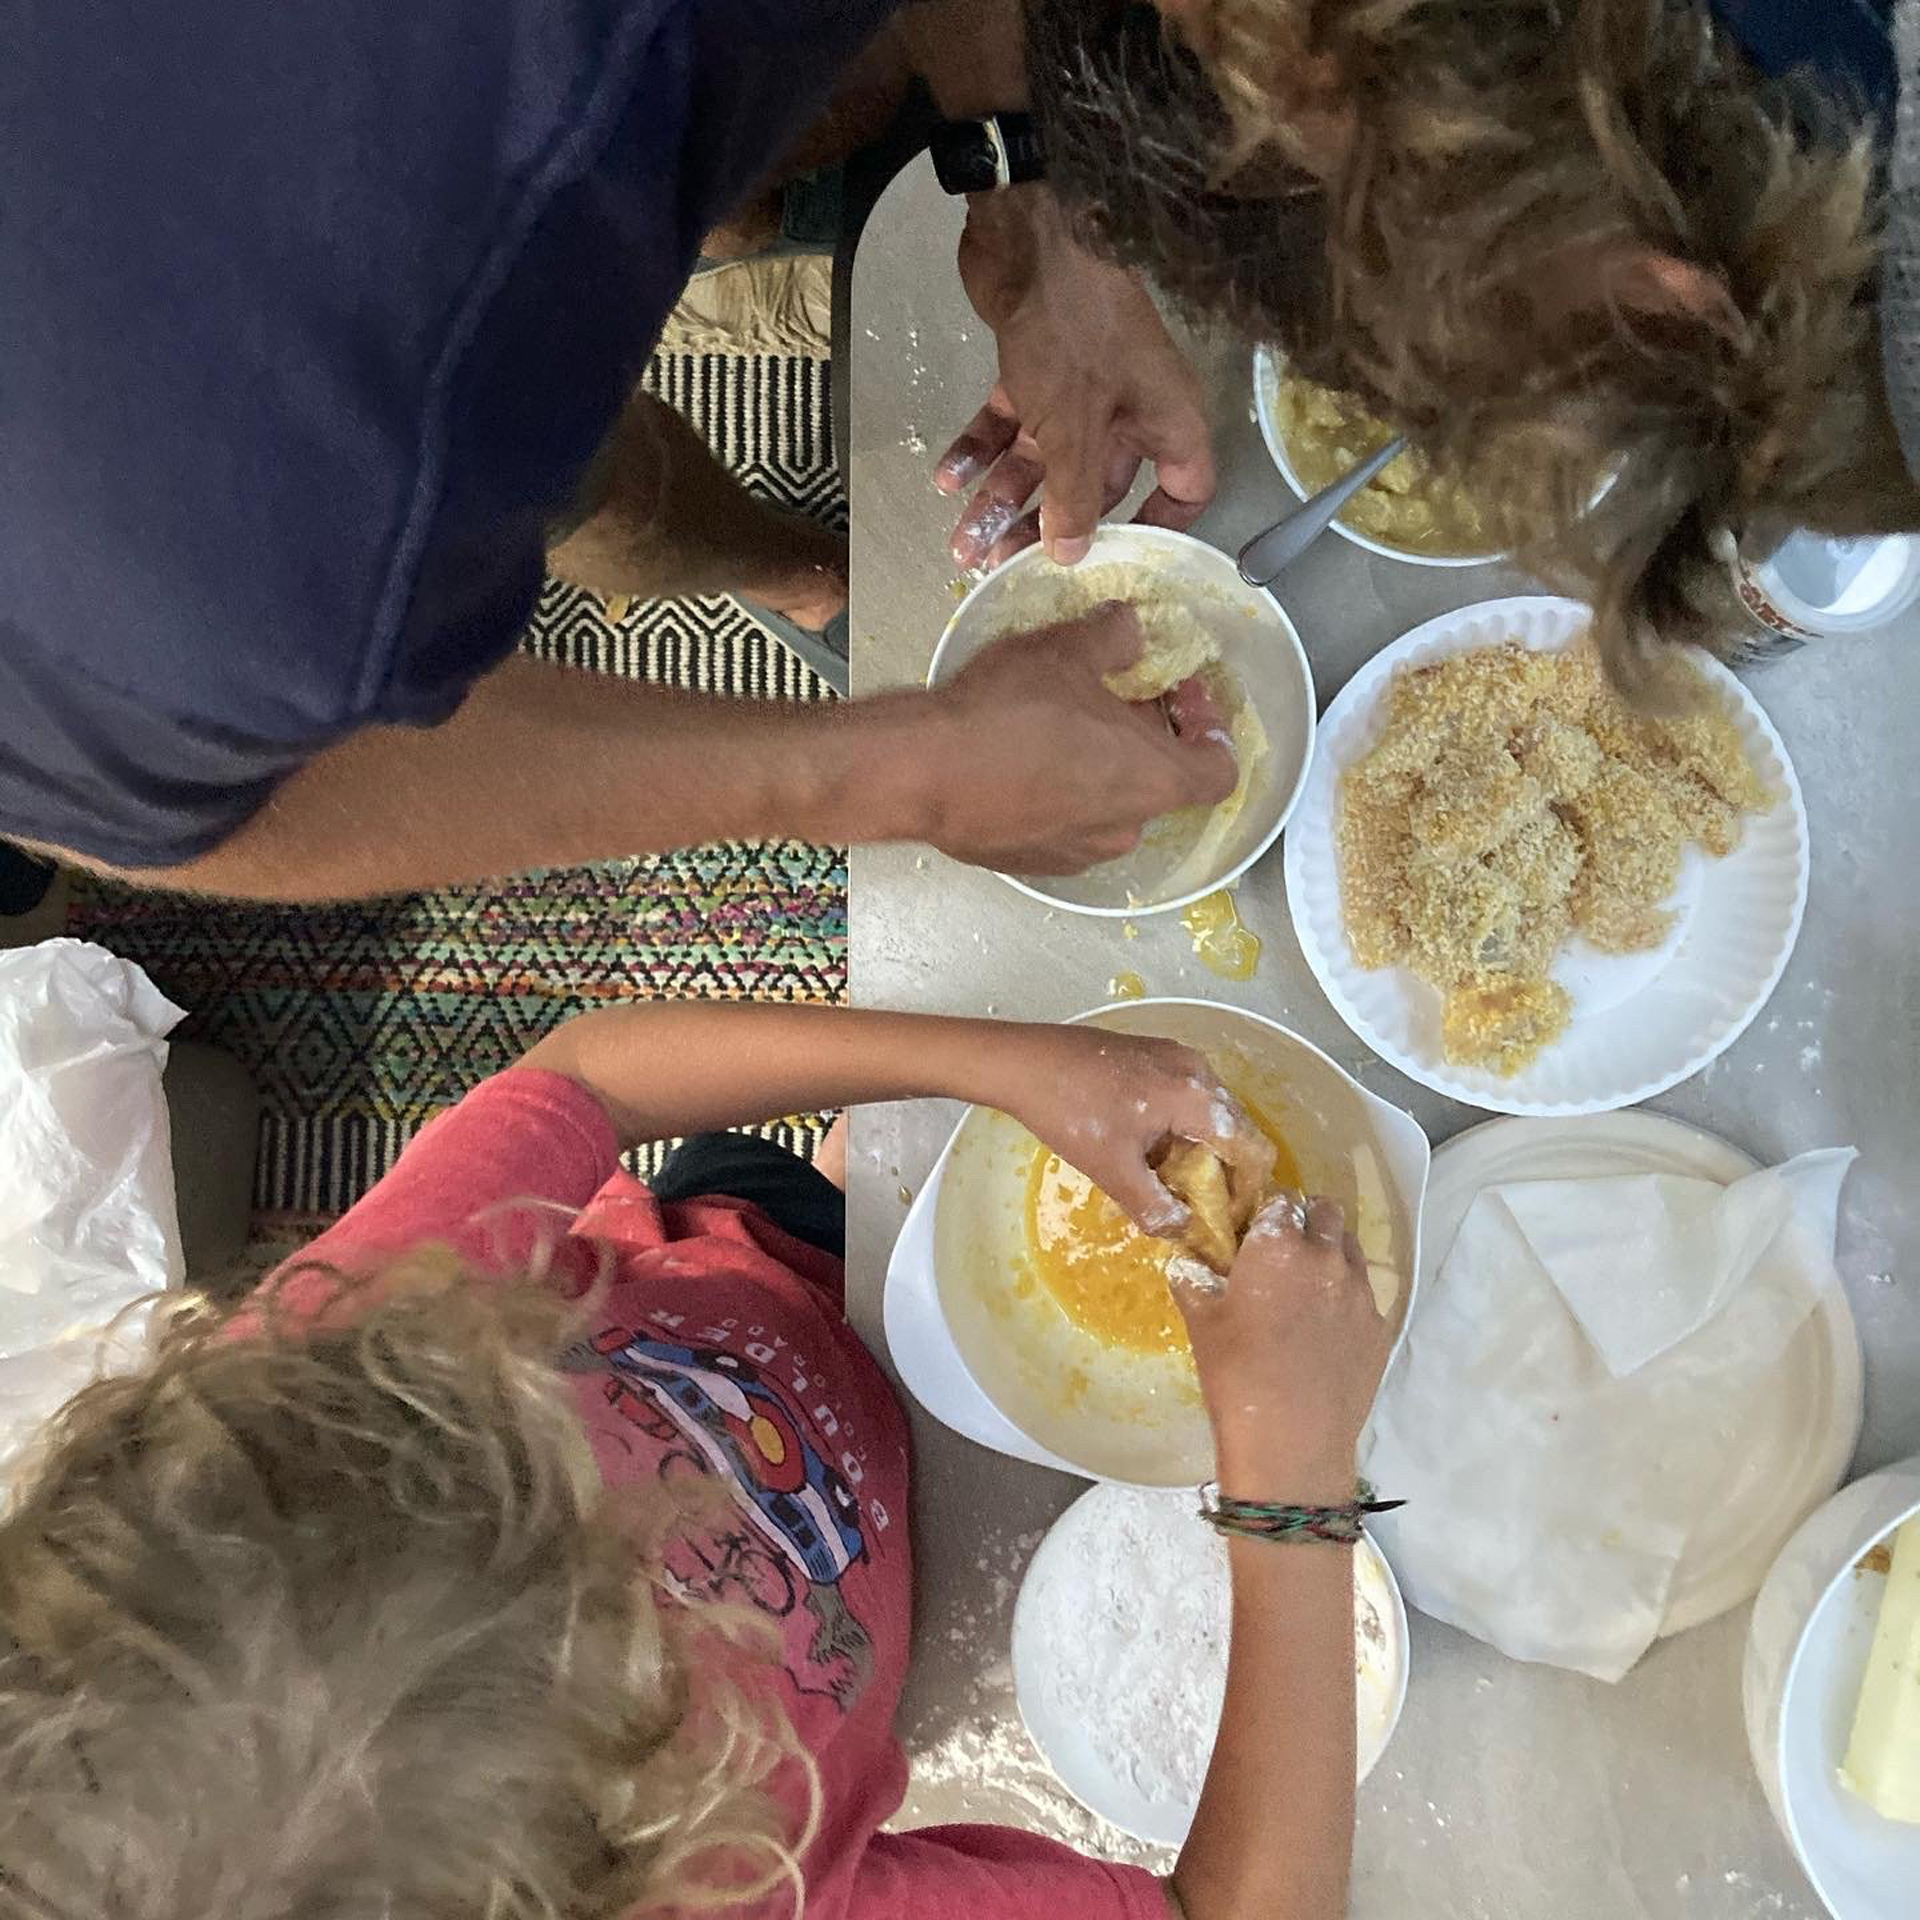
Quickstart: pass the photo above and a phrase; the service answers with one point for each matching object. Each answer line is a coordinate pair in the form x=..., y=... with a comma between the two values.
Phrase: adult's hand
x=1091, y=384
x=1027, y=763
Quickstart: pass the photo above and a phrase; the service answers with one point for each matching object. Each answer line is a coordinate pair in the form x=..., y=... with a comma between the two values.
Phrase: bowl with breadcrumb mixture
x=1530, y=894
x=1412, y=511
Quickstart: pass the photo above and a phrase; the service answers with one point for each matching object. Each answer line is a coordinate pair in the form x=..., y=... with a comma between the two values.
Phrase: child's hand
x=1109, y=1102
x=1290, y=1349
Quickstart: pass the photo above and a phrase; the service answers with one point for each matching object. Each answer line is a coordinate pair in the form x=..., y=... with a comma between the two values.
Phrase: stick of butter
x=1883, y=1757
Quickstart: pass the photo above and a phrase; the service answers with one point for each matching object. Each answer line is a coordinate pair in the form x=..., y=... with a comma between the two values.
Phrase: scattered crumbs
x=995, y=1770
x=1880, y=1279
x=1809, y=1059
x=958, y=587
x=1128, y=931
x=915, y=441
x=871, y=335
x=1876, y=1559
x=920, y=863
x=906, y=1194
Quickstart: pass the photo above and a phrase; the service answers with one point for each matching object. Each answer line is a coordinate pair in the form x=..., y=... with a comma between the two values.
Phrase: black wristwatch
x=981, y=156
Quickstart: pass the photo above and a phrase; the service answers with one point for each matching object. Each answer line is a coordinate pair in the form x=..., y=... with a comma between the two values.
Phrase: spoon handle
x=1267, y=555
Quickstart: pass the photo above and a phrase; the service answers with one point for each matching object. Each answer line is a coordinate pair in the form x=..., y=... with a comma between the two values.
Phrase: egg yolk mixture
x=1108, y=1277
x=1225, y=943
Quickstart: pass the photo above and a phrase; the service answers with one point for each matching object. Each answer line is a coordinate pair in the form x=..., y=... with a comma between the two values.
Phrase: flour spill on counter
x=996, y=1767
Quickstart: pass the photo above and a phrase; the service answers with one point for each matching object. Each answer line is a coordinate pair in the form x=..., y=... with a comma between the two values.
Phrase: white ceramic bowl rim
x=1172, y=539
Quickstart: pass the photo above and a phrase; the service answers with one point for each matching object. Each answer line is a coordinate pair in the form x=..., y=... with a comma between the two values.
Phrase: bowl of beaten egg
x=1409, y=512
x=1026, y=1311
x=1197, y=617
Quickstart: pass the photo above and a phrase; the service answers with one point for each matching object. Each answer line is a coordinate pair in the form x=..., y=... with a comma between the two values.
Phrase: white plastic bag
x=87, y=1219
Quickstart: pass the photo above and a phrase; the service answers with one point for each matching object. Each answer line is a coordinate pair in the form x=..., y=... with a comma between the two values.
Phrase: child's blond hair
x=336, y=1616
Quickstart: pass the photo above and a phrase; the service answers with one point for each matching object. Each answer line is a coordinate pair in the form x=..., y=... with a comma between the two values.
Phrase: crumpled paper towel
x=1561, y=1417
x=87, y=1218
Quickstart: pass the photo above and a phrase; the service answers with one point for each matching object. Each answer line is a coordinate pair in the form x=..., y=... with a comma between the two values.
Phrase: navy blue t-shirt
x=311, y=320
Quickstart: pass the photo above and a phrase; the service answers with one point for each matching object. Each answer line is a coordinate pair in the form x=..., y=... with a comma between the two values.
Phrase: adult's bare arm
x=1025, y=760
x=1090, y=382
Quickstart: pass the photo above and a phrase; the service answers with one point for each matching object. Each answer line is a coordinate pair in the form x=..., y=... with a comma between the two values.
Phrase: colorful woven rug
x=360, y=1022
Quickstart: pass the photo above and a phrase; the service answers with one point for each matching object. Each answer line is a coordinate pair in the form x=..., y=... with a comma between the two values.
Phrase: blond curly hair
x=1552, y=239
x=333, y=1615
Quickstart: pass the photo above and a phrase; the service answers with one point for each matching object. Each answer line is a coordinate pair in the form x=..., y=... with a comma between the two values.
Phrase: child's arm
x=1105, y=1101
x=1290, y=1356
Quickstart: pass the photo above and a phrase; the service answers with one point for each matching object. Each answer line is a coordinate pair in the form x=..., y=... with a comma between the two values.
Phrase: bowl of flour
x=1120, y=1655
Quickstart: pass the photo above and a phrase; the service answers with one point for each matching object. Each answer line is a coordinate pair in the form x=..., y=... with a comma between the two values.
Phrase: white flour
x=1136, y=1624
x=1129, y=1624
x=996, y=1767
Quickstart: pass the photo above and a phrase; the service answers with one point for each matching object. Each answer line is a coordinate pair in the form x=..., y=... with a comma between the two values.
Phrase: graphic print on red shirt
x=712, y=1411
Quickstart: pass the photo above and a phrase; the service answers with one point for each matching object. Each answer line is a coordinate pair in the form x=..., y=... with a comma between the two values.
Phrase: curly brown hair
x=1552, y=240
x=337, y=1618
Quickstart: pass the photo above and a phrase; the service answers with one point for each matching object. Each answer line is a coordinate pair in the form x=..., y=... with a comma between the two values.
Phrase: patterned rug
x=360, y=1022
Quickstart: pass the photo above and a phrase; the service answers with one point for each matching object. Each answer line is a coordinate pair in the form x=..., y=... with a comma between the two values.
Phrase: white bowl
x=1052, y=1674
x=1806, y=1651
x=1266, y=377
x=1258, y=645
x=1641, y=1022
x=987, y=1352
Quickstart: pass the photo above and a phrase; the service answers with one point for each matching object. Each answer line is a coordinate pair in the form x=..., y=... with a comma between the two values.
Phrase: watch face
x=976, y=156
x=963, y=157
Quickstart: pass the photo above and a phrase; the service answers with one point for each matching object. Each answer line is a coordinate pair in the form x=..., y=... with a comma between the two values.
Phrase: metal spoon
x=1268, y=555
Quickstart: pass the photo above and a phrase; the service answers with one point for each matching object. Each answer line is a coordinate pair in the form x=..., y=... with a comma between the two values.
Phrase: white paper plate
x=1098, y=1778
x=1803, y=1428
x=1641, y=1022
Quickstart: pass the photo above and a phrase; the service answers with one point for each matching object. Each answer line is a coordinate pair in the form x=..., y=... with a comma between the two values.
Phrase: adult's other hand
x=1091, y=384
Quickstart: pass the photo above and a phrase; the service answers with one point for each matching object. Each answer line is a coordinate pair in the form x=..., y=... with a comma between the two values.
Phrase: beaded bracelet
x=1266, y=1520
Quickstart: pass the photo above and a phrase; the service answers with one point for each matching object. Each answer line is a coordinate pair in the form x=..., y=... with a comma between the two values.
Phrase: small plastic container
x=1814, y=587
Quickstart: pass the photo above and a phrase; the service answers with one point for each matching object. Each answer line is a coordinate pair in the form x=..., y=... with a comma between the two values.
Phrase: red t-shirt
x=722, y=1348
